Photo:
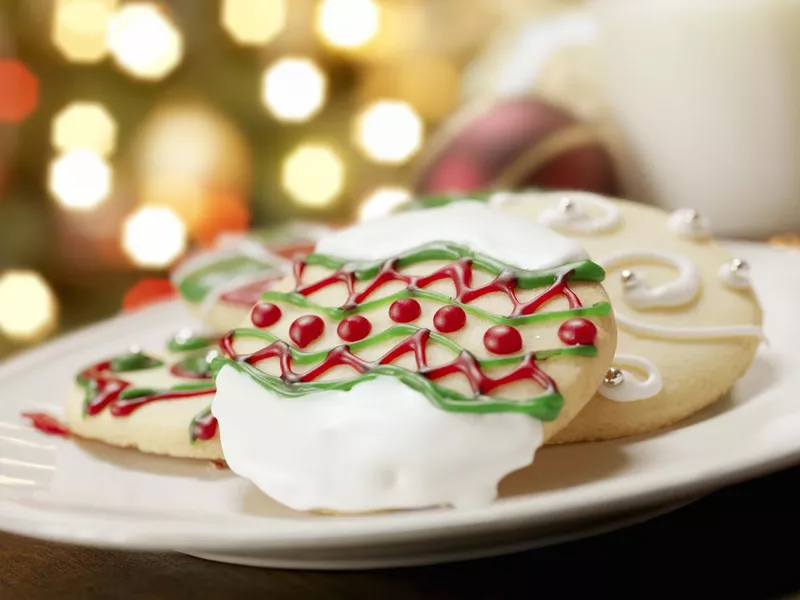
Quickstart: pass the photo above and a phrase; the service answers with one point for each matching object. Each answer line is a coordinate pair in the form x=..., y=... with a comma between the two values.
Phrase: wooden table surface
x=737, y=543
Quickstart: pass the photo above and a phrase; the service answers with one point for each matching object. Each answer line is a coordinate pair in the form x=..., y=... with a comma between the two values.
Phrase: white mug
x=705, y=96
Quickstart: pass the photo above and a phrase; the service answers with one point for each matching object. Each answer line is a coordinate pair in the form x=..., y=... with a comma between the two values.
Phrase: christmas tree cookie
x=412, y=361
x=155, y=402
x=221, y=284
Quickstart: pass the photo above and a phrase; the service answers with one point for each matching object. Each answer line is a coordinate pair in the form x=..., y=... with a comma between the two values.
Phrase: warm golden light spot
x=382, y=201
x=313, y=174
x=84, y=125
x=154, y=236
x=80, y=27
x=143, y=41
x=293, y=89
x=348, y=23
x=28, y=307
x=253, y=22
x=79, y=180
x=389, y=131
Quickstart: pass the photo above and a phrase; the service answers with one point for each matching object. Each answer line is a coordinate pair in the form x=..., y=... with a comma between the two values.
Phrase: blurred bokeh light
x=253, y=22
x=293, y=89
x=84, y=125
x=313, y=174
x=389, y=131
x=19, y=91
x=154, y=236
x=79, y=28
x=348, y=23
x=28, y=307
x=80, y=179
x=382, y=201
x=143, y=41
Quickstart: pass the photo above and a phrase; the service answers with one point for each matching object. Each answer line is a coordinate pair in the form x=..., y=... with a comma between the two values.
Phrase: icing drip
x=576, y=212
x=681, y=290
x=632, y=388
x=689, y=224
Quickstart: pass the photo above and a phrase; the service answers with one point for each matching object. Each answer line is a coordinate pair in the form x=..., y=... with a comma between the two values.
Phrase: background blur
x=130, y=131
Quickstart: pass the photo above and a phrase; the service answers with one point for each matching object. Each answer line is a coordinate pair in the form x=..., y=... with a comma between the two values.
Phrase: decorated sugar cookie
x=154, y=402
x=220, y=285
x=413, y=361
x=689, y=322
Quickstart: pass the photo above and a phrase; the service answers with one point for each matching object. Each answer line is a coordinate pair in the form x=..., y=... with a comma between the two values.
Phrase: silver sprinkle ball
x=739, y=267
x=629, y=278
x=614, y=377
x=566, y=205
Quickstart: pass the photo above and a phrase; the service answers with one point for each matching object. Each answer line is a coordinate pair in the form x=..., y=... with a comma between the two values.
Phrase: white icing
x=632, y=387
x=681, y=290
x=687, y=333
x=686, y=223
x=579, y=217
x=736, y=280
x=381, y=445
x=500, y=235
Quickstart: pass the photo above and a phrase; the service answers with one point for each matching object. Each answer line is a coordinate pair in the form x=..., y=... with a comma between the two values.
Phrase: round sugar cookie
x=689, y=322
x=413, y=360
x=222, y=283
x=158, y=403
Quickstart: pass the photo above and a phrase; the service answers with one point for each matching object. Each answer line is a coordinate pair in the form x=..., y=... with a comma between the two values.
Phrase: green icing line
x=526, y=279
x=196, y=286
x=194, y=364
x=303, y=358
x=545, y=407
x=186, y=344
x=133, y=361
x=599, y=309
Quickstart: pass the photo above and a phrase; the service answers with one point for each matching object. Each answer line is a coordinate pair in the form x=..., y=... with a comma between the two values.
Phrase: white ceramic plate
x=86, y=493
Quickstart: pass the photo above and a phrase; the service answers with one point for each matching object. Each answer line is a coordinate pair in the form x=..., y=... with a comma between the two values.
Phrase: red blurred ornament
x=146, y=292
x=516, y=143
x=19, y=91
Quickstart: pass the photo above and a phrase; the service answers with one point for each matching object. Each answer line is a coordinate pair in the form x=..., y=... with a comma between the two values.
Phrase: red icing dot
x=502, y=339
x=405, y=310
x=449, y=318
x=577, y=331
x=354, y=328
x=306, y=329
x=265, y=314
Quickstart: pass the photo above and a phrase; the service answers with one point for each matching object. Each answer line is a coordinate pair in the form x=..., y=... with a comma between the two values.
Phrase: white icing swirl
x=689, y=224
x=736, y=279
x=681, y=290
x=381, y=445
x=632, y=388
x=580, y=212
x=504, y=236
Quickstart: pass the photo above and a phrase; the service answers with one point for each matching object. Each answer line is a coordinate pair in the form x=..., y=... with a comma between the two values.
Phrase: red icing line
x=47, y=423
x=108, y=389
x=251, y=293
x=465, y=363
x=204, y=428
x=459, y=272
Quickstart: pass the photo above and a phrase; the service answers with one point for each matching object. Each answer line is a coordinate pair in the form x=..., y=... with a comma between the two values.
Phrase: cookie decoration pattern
x=439, y=341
